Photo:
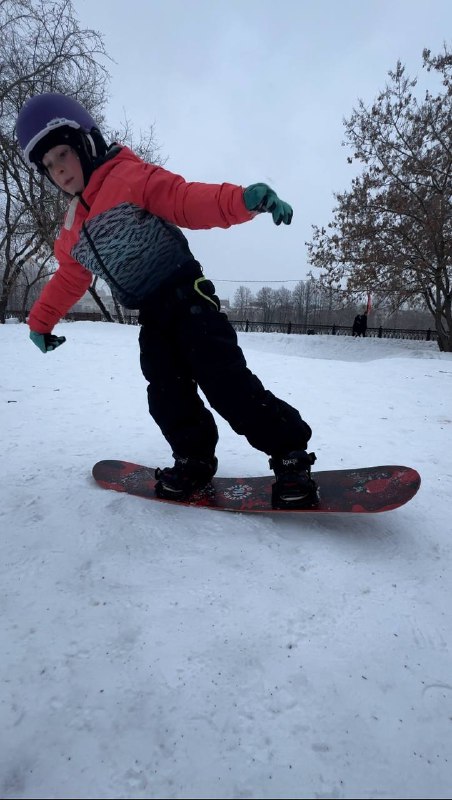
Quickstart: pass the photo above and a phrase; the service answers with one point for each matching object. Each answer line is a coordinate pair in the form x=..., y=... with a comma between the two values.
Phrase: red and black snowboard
x=367, y=490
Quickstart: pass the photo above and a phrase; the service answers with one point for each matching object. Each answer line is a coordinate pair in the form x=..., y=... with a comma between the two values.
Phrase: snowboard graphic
x=366, y=490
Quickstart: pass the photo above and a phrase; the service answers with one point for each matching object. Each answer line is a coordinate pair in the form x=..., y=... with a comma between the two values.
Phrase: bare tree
x=32, y=277
x=283, y=304
x=146, y=146
x=392, y=232
x=267, y=303
x=243, y=298
x=44, y=49
x=298, y=301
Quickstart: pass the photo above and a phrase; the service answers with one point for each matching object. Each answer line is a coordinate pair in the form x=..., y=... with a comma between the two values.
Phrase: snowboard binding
x=294, y=486
x=186, y=477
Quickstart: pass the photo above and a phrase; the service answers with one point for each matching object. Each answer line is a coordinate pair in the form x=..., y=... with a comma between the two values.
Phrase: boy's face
x=65, y=169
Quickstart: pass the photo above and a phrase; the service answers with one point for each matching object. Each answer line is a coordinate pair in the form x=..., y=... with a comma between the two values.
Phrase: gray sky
x=256, y=90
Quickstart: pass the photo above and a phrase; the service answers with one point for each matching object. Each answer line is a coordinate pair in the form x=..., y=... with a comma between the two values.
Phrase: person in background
x=363, y=324
x=356, y=328
x=123, y=224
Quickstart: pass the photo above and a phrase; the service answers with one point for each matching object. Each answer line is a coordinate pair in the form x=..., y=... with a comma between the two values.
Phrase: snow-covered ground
x=155, y=651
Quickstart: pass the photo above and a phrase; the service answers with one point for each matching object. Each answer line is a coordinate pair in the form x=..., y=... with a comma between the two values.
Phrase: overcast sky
x=257, y=90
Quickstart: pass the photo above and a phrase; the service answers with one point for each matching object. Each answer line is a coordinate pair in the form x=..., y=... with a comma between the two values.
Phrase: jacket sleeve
x=192, y=205
x=64, y=289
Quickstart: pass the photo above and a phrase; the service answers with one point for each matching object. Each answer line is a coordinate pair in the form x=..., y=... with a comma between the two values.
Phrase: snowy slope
x=153, y=651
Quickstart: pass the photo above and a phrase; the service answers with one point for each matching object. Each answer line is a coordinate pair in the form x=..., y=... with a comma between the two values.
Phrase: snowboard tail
x=367, y=490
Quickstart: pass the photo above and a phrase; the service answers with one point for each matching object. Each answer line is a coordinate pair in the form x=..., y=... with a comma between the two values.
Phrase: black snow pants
x=186, y=343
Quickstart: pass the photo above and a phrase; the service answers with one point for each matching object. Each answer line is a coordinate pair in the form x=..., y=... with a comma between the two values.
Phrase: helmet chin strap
x=92, y=144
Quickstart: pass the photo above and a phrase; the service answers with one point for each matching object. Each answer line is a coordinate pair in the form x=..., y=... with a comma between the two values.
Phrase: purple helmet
x=50, y=119
x=46, y=113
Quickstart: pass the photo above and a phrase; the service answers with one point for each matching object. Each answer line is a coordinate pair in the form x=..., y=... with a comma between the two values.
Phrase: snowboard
x=367, y=490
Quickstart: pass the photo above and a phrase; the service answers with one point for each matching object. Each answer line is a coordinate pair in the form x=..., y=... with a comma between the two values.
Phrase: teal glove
x=259, y=197
x=46, y=341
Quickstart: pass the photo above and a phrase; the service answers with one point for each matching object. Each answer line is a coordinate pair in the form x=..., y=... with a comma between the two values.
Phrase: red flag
x=369, y=304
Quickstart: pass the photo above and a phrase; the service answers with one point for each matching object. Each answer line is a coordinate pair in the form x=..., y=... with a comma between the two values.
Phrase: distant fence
x=288, y=327
x=246, y=326
x=332, y=330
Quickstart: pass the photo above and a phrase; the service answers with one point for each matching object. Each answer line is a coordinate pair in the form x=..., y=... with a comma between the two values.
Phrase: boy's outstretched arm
x=209, y=205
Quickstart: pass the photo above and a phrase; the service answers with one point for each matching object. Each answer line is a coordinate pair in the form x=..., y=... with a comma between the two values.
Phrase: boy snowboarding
x=123, y=224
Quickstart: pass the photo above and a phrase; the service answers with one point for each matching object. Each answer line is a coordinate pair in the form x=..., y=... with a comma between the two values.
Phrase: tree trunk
x=444, y=337
x=100, y=303
x=119, y=312
x=3, y=307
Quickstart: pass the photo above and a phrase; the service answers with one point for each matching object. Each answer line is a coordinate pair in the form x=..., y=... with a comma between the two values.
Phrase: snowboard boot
x=186, y=477
x=294, y=486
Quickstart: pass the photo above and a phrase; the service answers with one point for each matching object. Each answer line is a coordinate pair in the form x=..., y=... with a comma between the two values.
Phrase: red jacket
x=124, y=228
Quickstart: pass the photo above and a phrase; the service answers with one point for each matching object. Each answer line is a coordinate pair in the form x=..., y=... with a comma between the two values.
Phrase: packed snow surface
x=155, y=651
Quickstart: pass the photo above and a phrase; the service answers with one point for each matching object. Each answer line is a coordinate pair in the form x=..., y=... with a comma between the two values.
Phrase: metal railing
x=380, y=332
x=332, y=330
